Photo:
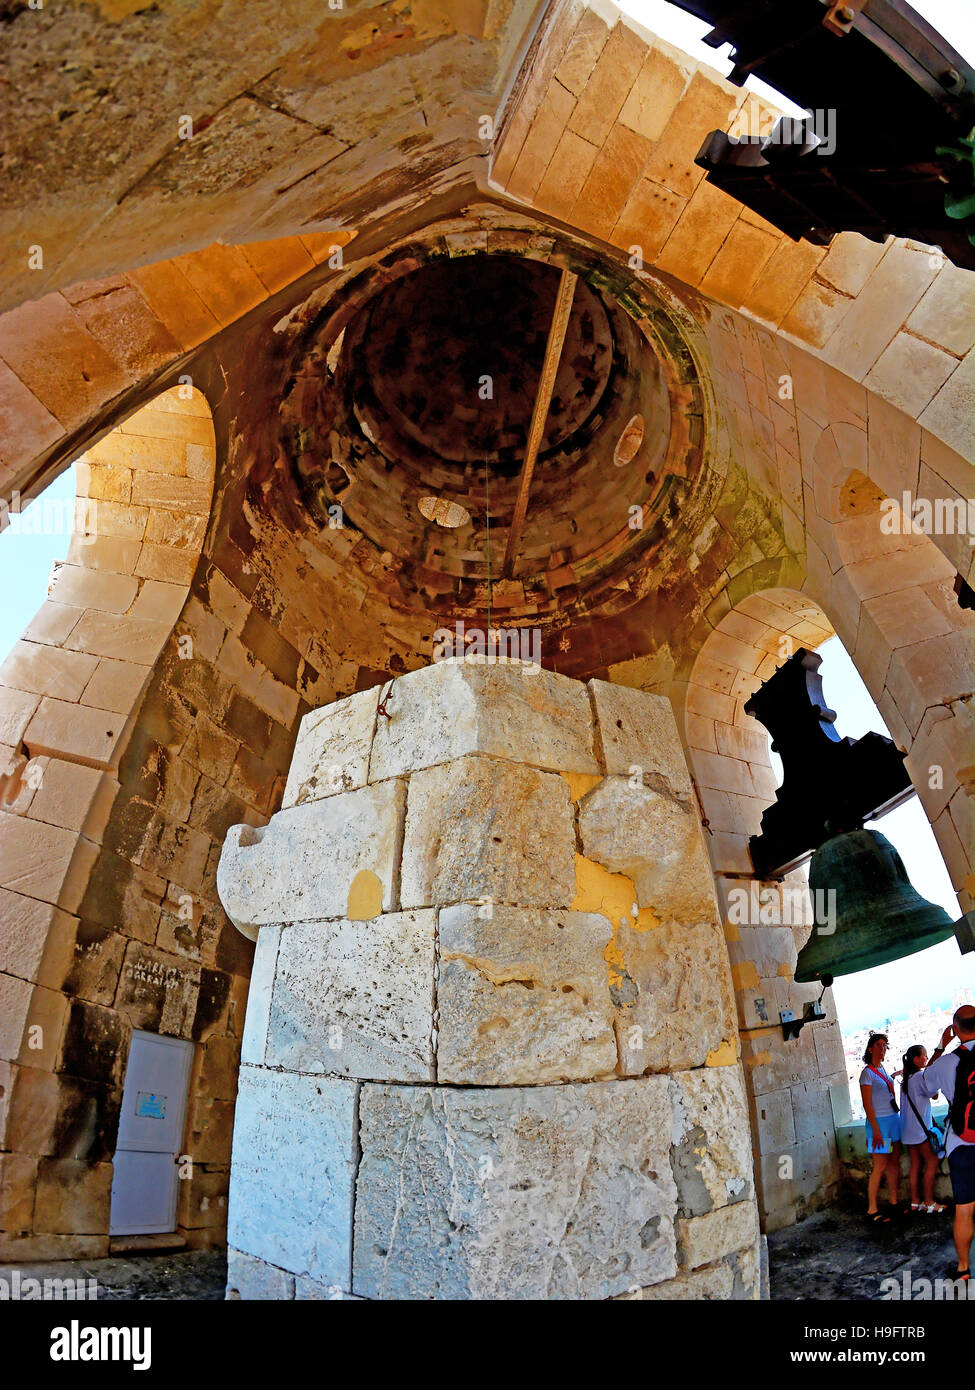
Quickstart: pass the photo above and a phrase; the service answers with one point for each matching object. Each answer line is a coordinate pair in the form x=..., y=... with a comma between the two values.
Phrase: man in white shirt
x=939, y=1075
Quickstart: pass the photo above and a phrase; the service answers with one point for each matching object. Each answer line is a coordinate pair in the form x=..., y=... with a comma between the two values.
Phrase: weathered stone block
x=209, y=1130
x=45, y=670
x=18, y=1180
x=813, y=1111
x=332, y=751
x=773, y=1122
x=73, y=1197
x=523, y=997
x=33, y=1247
x=202, y=1210
x=81, y=587
x=251, y=1278
x=94, y=1044
x=747, y=1268
x=158, y=991
x=704, y=1239
x=310, y=1290
x=673, y=1010
x=481, y=828
x=638, y=730
x=534, y=1192
x=710, y=1282
x=653, y=839
x=712, y=1150
x=16, y=709
x=292, y=1173
x=37, y=859
x=8, y=1074
x=59, y=1116
x=775, y=1066
x=36, y=939
x=258, y=1014
x=456, y=707
x=331, y=858
x=356, y=998
x=15, y=1002
x=96, y=964
x=736, y=1277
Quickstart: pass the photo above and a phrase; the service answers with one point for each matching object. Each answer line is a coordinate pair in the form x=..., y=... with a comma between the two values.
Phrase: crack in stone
x=499, y=978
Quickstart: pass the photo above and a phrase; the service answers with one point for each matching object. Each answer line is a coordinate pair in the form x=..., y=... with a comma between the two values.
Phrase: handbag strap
x=886, y=1079
x=906, y=1091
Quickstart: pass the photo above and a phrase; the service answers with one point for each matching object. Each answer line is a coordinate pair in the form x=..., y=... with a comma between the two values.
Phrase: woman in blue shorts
x=883, y=1126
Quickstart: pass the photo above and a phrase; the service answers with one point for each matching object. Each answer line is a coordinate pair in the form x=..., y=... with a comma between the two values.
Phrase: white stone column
x=491, y=1048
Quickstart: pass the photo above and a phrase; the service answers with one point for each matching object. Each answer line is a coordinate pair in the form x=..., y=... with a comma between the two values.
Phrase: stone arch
x=71, y=691
x=896, y=611
x=754, y=629
x=74, y=361
x=755, y=634
x=788, y=1083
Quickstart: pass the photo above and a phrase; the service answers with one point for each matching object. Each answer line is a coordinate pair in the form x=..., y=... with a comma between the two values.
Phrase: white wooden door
x=150, y=1135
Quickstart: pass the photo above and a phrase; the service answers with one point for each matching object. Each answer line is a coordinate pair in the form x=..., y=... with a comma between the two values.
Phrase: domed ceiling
x=407, y=416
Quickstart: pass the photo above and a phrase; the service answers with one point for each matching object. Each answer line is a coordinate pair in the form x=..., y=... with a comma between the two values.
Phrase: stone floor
x=834, y=1254
x=831, y=1255
x=190, y=1274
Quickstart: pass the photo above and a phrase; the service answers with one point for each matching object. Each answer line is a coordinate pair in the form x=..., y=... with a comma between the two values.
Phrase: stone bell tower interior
x=473, y=447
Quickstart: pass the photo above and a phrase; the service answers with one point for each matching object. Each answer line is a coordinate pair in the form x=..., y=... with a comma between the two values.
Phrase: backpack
x=962, y=1112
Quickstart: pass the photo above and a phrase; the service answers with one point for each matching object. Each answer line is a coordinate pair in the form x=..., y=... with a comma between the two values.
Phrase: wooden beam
x=543, y=399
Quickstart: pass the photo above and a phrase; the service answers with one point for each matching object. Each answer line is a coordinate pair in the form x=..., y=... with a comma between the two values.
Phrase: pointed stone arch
x=892, y=601
x=766, y=923
x=70, y=693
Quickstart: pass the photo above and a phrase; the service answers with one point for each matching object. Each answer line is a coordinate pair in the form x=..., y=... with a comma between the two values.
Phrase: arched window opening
x=911, y=999
x=34, y=535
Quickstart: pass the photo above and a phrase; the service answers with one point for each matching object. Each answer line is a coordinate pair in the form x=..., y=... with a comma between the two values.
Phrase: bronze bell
x=875, y=916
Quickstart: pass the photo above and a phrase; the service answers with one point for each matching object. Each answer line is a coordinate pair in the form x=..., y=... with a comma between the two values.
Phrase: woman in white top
x=915, y=1126
x=883, y=1126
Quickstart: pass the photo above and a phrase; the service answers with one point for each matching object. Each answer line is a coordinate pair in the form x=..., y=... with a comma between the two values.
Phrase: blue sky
x=26, y=560
x=954, y=19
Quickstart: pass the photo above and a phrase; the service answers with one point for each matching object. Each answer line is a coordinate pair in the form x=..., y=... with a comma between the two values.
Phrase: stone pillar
x=491, y=1048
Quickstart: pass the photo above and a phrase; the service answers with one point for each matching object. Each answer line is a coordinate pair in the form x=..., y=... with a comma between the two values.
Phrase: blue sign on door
x=150, y=1106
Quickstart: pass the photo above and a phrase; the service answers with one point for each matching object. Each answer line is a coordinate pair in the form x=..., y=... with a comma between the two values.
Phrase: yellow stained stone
x=613, y=896
x=745, y=975
x=365, y=897
x=581, y=782
x=726, y=1055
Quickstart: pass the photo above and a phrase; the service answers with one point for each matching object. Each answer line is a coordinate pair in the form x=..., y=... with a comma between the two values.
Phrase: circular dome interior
x=451, y=356
x=419, y=388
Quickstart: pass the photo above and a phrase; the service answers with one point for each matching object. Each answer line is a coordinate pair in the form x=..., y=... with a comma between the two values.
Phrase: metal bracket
x=840, y=17
x=964, y=930
x=791, y=1026
x=812, y=1012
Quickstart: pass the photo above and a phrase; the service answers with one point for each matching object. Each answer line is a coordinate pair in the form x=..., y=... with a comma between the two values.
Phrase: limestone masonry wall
x=491, y=1048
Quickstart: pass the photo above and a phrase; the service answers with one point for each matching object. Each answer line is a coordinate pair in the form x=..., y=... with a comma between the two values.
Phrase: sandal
x=917, y=1206
x=878, y=1217
x=935, y=1209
